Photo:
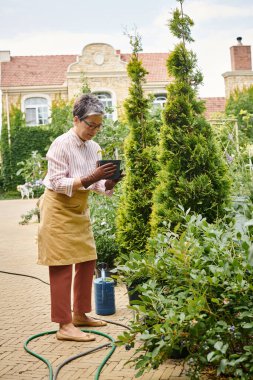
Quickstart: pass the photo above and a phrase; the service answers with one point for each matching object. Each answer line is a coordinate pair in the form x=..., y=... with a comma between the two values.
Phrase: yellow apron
x=65, y=235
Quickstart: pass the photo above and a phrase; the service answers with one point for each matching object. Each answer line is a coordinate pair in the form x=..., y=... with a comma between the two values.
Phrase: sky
x=42, y=27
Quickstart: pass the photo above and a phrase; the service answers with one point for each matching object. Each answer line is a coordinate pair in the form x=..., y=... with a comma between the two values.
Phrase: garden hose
x=68, y=360
x=24, y=275
x=53, y=376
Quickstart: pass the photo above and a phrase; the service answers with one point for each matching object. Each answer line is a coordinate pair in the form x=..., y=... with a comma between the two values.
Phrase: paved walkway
x=25, y=311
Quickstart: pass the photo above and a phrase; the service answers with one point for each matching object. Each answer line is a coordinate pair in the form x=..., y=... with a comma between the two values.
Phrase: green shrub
x=111, y=139
x=103, y=214
x=32, y=169
x=199, y=298
x=61, y=117
x=240, y=105
x=236, y=153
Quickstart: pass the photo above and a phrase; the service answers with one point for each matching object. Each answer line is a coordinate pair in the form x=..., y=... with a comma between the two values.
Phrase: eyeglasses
x=92, y=126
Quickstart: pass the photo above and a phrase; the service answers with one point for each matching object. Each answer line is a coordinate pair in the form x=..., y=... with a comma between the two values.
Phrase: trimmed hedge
x=27, y=140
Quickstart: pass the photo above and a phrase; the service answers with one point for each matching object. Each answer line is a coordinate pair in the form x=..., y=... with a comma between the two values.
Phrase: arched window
x=106, y=99
x=160, y=100
x=36, y=111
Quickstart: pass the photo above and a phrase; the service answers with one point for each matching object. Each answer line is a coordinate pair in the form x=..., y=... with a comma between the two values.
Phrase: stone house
x=35, y=81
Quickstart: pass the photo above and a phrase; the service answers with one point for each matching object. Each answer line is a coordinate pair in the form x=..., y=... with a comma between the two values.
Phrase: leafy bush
x=235, y=150
x=34, y=168
x=240, y=104
x=61, y=117
x=103, y=214
x=199, y=298
x=104, y=209
x=111, y=139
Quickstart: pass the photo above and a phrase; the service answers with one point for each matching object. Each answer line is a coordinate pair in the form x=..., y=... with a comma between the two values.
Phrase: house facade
x=35, y=81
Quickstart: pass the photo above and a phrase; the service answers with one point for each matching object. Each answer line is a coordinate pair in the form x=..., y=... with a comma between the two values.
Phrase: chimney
x=240, y=56
x=5, y=56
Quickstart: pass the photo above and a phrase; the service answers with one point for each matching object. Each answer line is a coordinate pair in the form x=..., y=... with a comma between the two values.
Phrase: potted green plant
x=103, y=214
x=133, y=272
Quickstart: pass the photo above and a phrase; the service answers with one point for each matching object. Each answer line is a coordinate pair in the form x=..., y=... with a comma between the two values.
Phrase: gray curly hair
x=87, y=105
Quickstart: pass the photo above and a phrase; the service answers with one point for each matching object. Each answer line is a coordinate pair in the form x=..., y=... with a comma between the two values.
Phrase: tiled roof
x=154, y=63
x=51, y=69
x=36, y=70
x=214, y=105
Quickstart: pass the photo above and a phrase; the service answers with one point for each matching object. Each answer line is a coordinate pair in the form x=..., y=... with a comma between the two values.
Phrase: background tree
x=240, y=105
x=192, y=171
x=34, y=168
x=139, y=149
x=61, y=117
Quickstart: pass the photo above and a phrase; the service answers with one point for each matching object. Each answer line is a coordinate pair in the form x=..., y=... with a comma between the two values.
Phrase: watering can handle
x=103, y=274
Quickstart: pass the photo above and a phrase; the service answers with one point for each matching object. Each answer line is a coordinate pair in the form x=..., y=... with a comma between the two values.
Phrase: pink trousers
x=60, y=290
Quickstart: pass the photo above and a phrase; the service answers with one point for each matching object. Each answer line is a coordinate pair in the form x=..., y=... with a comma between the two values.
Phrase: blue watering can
x=104, y=295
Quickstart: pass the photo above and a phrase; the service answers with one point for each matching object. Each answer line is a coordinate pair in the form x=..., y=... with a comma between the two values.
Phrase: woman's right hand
x=104, y=171
x=101, y=172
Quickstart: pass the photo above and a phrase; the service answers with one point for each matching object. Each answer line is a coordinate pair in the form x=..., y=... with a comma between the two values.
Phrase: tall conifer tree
x=133, y=227
x=192, y=171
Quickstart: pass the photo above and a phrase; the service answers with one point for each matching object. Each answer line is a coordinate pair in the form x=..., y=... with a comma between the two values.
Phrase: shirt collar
x=76, y=138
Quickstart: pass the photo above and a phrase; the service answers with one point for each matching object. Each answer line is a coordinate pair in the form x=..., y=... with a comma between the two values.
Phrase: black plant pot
x=133, y=294
x=115, y=162
x=179, y=354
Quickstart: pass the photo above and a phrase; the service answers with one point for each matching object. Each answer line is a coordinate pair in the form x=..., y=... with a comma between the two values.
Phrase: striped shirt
x=68, y=158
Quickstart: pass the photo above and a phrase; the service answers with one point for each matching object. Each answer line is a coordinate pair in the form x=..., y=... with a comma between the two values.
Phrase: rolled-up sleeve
x=58, y=169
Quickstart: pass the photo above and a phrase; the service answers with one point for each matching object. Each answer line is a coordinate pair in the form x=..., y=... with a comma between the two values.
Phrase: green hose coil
x=49, y=365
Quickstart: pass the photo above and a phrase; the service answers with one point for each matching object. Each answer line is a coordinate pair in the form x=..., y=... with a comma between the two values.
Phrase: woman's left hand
x=110, y=183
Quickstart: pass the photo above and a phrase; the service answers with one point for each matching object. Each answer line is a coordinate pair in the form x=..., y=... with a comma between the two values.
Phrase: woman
x=65, y=235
